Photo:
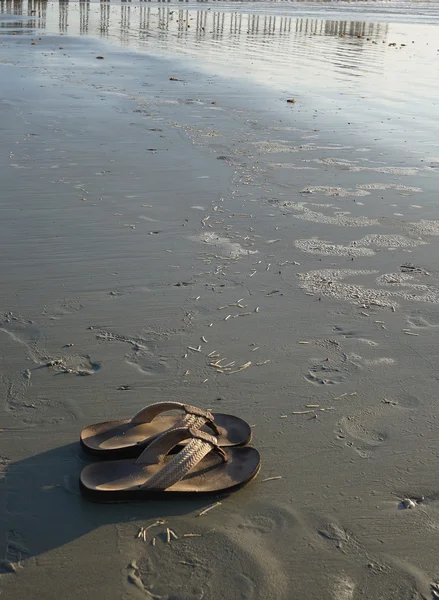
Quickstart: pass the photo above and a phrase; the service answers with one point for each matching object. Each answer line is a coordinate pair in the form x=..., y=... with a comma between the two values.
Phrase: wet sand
x=141, y=214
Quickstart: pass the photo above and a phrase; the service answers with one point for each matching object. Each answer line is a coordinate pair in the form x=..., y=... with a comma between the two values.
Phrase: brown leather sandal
x=201, y=466
x=128, y=437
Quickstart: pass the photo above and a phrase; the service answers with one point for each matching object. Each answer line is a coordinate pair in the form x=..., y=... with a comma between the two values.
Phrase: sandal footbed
x=124, y=438
x=123, y=479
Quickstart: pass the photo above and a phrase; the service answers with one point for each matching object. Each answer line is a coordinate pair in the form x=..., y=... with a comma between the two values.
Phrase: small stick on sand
x=257, y=309
x=272, y=478
x=217, y=363
x=191, y=534
x=153, y=541
x=241, y=368
x=140, y=532
x=410, y=333
x=168, y=535
x=203, y=339
x=303, y=342
x=263, y=363
x=206, y=510
x=313, y=406
x=227, y=318
x=194, y=349
x=158, y=522
x=302, y=412
x=144, y=535
x=211, y=353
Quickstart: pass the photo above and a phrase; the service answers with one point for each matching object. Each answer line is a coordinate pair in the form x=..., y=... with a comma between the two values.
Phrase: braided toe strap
x=194, y=417
x=181, y=464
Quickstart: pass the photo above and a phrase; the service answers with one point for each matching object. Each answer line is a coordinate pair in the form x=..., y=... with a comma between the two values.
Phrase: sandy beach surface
x=158, y=192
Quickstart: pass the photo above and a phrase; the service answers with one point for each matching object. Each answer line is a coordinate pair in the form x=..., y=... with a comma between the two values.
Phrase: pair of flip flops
x=161, y=450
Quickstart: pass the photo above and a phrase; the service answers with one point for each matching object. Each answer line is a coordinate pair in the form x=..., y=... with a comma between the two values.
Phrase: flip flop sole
x=122, y=480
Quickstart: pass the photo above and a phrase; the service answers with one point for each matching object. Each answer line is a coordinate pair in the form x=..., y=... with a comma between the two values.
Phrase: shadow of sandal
x=43, y=509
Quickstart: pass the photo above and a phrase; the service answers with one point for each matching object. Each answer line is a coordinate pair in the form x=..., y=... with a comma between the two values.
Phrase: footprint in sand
x=16, y=551
x=402, y=580
x=63, y=308
x=423, y=320
x=362, y=362
x=364, y=427
x=24, y=333
x=233, y=558
x=219, y=564
x=343, y=589
x=326, y=375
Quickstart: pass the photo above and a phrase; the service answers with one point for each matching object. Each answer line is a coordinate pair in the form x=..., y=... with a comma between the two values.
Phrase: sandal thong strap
x=180, y=465
x=194, y=416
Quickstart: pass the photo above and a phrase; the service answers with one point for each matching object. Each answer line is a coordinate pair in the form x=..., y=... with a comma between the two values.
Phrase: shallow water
x=369, y=65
